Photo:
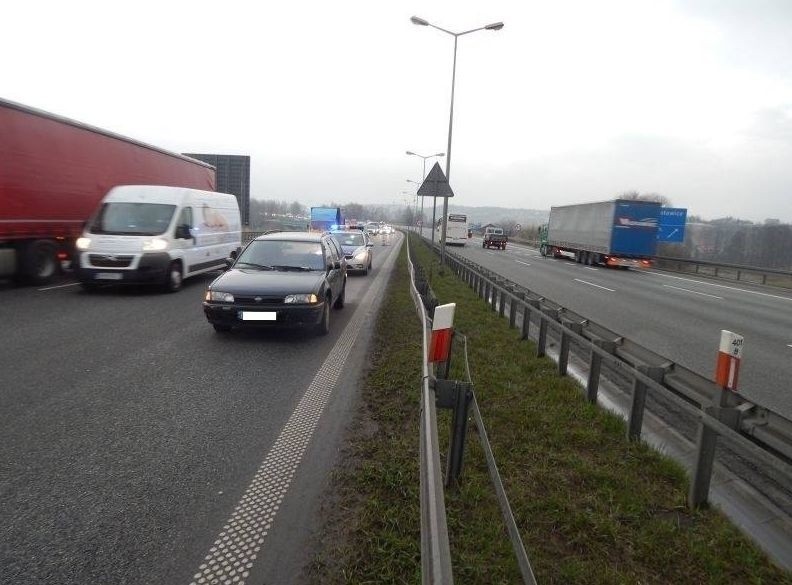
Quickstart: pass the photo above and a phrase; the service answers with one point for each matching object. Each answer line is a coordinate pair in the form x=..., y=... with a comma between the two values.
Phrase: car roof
x=293, y=236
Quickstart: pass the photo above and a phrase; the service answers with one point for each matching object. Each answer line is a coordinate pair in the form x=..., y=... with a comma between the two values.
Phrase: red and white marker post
x=729, y=355
x=442, y=332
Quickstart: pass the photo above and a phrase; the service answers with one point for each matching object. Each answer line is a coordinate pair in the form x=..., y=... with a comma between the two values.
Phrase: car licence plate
x=108, y=276
x=258, y=315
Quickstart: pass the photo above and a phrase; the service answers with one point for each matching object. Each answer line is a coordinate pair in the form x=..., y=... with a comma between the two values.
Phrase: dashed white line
x=521, y=262
x=597, y=285
x=734, y=288
x=695, y=292
x=59, y=286
x=789, y=345
x=590, y=268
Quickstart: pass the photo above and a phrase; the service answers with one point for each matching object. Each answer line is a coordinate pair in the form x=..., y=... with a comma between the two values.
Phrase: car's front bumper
x=149, y=268
x=231, y=314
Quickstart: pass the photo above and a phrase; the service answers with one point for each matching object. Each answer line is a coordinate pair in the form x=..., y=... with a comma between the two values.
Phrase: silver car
x=357, y=248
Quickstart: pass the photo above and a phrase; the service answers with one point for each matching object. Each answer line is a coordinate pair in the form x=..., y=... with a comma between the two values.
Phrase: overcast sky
x=571, y=101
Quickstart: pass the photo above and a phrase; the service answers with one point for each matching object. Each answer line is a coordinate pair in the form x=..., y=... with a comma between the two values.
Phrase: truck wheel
x=173, y=278
x=503, y=246
x=40, y=262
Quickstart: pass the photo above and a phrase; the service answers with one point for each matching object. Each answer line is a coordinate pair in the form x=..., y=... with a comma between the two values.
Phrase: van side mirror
x=228, y=263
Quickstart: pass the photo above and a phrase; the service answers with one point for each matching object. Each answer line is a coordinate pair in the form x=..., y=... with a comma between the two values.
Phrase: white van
x=158, y=235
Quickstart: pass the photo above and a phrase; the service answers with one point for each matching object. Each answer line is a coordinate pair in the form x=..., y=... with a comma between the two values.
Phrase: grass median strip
x=591, y=506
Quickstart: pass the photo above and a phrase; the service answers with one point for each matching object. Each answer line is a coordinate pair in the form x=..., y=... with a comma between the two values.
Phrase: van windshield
x=132, y=219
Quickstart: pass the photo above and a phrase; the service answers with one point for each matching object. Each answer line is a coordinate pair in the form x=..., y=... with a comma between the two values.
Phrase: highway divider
x=438, y=391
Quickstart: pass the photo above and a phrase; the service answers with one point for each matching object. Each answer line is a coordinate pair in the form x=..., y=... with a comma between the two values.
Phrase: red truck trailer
x=53, y=174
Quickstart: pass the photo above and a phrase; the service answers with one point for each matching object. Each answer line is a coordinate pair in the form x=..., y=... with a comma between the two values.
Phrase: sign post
x=727, y=369
x=435, y=185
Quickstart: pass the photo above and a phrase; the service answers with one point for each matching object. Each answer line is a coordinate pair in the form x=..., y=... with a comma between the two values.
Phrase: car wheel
x=324, y=325
x=221, y=328
x=339, y=302
x=173, y=279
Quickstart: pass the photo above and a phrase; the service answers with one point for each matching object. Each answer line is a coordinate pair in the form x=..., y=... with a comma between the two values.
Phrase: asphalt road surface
x=138, y=446
x=678, y=316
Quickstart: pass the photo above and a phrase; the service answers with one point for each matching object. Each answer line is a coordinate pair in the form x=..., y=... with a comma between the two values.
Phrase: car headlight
x=301, y=299
x=216, y=295
x=155, y=244
x=83, y=243
x=361, y=255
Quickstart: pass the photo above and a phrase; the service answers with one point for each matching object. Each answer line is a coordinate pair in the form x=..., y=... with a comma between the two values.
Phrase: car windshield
x=349, y=238
x=282, y=255
x=134, y=219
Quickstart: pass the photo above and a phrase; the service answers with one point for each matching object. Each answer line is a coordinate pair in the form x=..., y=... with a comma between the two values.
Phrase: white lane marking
x=521, y=262
x=59, y=286
x=695, y=292
x=231, y=556
x=590, y=268
x=592, y=284
x=789, y=345
x=752, y=292
x=490, y=253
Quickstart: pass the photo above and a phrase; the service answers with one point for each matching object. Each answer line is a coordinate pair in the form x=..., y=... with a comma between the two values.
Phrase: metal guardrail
x=718, y=269
x=762, y=433
x=435, y=550
x=459, y=397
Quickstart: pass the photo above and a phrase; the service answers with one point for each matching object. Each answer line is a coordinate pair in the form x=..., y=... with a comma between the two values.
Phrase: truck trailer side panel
x=55, y=171
x=587, y=226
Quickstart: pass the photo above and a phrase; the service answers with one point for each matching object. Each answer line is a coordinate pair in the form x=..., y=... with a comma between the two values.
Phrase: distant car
x=373, y=228
x=386, y=229
x=357, y=248
x=283, y=278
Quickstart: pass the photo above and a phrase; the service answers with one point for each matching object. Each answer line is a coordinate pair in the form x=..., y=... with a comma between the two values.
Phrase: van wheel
x=174, y=277
x=323, y=328
x=40, y=262
x=339, y=302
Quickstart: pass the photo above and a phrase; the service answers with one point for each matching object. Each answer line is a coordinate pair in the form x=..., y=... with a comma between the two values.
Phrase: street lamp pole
x=422, y=22
x=423, y=178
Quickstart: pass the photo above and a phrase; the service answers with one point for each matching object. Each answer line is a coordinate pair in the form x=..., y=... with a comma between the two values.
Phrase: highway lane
x=677, y=316
x=129, y=431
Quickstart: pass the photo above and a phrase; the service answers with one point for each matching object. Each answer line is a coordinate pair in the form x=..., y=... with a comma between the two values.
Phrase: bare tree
x=636, y=196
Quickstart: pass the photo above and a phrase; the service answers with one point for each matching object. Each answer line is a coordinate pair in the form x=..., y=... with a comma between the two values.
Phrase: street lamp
x=423, y=177
x=422, y=22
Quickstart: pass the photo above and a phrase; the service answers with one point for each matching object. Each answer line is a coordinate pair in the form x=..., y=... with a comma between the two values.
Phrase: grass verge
x=591, y=506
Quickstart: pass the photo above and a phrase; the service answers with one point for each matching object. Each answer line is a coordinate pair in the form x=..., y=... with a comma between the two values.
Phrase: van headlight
x=83, y=243
x=301, y=299
x=217, y=296
x=155, y=245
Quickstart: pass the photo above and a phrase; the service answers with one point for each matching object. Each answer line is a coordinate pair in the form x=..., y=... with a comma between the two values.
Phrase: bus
x=456, y=229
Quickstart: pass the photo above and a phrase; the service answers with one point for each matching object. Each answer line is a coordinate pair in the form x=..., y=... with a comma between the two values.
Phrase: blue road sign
x=672, y=224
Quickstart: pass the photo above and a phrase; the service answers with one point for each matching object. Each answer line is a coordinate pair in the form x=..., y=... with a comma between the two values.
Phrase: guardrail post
x=526, y=322
x=502, y=301
x=635, y=420
x=455, y=395
x=541, y=342
x=705, y=456
x=592, y=387
x=513, y=308
x=563, y=352
x=494, y=298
